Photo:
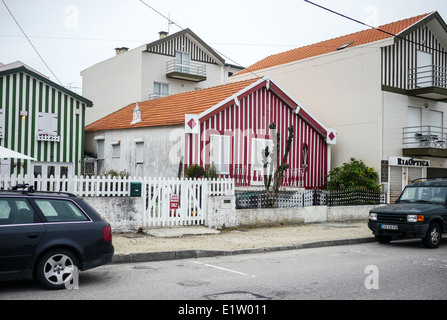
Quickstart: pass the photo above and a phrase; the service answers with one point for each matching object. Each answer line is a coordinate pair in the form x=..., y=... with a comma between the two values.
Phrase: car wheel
x=433, y=237
x=383, y=239
x=56, y=268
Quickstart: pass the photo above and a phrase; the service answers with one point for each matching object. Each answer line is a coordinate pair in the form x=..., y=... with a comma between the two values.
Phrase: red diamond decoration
x=332, y=136
x=192, y=123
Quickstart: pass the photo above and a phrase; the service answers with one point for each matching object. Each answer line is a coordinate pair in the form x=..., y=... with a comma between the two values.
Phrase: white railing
x=427, y=76
x=104, y=186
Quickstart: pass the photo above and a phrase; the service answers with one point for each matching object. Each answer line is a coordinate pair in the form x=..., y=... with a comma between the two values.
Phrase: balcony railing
x=425, y=137
x=427, y=76
x=191, y=71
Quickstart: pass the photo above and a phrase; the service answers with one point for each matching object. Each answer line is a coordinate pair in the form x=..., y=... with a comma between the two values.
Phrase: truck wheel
x=433, y=237
x=383, y=239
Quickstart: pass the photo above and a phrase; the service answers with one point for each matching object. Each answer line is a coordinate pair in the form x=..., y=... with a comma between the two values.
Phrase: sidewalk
x=198, y=241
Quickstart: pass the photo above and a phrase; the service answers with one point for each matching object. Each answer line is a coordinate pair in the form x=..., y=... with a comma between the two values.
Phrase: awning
x=7, y=153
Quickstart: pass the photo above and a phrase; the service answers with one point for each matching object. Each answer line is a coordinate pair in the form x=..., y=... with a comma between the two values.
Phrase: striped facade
x=184, y=42
x=23, y=90
x=400, y=58
x=246, y=119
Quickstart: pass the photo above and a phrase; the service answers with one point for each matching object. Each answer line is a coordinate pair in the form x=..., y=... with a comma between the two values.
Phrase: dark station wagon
x=420, y=211
x=49, y=236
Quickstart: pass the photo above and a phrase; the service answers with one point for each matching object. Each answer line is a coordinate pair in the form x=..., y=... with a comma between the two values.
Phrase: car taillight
x=107, y=233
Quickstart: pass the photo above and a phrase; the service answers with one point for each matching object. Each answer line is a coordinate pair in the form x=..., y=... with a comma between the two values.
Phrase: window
x=258, y=149
x=424, y=69
x=182, y=61
x=15, y=211
x=220, y=153
x=139, y=151
x=60, y=210
x=257, y=160
x=160, y=90
x=47, y=127
x=116, y=149
x=101, y=147
x=2, y=123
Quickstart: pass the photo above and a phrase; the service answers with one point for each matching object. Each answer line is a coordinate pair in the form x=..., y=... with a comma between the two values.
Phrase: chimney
x=121, y=50
x=163, y=34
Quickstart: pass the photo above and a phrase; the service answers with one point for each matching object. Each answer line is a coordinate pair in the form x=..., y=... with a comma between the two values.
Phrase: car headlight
x=373, y=216
x=415, y=218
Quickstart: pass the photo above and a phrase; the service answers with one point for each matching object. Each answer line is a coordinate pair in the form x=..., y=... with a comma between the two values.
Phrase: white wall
x=395, y=119
x=112, y=84
x=129, y=77
x=342, y=90
x=163, y=149
x=154, y=70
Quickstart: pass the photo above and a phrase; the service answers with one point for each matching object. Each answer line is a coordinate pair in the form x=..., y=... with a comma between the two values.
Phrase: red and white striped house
x=228, y=125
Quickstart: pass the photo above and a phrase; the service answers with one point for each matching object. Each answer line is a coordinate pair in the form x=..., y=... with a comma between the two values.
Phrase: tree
x=279, y=168
x=352, y=175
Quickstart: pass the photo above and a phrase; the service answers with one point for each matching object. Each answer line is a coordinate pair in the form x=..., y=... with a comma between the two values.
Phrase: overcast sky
x=71, y=35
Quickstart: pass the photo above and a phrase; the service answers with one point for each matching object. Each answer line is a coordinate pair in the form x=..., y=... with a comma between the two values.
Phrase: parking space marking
x=223, y=269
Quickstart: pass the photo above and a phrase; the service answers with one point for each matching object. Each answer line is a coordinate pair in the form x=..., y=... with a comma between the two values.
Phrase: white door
x=414, y=122
x=424, y=69
x=257, y=165
x=48, y=169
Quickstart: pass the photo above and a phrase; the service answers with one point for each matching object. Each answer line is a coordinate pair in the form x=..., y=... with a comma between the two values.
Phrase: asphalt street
x=369, y=271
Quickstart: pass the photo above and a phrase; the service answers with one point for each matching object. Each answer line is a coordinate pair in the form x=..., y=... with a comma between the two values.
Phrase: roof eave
x=46, y=80
x=192, y=34
x=420, y=23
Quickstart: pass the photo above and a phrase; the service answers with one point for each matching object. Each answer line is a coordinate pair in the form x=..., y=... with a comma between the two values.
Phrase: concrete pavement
x=197, y=241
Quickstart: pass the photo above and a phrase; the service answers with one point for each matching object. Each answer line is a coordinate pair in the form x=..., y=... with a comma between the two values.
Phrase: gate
x=174, y=202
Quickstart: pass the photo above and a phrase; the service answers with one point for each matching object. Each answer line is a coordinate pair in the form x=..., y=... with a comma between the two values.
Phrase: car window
x=60, y=210
x=15, y=211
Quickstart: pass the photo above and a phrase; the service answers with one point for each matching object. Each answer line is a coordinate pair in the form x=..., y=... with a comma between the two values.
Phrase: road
x=400, y=270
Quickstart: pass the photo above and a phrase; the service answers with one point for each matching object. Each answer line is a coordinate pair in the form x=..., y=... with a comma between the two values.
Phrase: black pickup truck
x=420, y=211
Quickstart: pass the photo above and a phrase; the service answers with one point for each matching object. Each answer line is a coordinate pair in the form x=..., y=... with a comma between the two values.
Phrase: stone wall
x=125, y=214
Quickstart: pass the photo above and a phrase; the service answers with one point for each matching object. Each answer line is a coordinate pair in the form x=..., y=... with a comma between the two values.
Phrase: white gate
x=174, y=202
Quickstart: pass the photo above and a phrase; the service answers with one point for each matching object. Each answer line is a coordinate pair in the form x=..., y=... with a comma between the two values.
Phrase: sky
x=69, y=36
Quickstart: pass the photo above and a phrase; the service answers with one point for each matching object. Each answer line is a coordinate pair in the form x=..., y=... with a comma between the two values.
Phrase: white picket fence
x=166, y=202
x=104, y=186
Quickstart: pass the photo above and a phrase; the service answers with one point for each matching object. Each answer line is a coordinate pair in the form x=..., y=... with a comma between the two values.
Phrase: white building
x=175, y=63
x=383, y=90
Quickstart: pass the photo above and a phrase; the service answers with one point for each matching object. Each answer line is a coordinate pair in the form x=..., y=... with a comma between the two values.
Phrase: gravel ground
x=193, y=238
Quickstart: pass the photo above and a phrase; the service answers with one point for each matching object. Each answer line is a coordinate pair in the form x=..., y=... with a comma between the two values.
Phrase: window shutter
x=53, y=118
x=2, y=123
x=40, y=123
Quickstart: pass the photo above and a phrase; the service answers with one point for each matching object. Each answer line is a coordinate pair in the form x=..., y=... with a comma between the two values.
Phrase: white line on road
x=224, y=269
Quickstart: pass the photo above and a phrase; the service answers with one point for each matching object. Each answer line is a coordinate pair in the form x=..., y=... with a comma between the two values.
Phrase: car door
x=20, y=233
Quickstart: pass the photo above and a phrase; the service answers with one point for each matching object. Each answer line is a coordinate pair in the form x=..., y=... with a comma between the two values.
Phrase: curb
x=194, y=254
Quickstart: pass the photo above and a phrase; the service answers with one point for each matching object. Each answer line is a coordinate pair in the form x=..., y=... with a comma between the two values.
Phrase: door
x=413, y=137
x=424, y=69
x=182, y=61
x=436, y=128
x=20, y=233
x=257, y=164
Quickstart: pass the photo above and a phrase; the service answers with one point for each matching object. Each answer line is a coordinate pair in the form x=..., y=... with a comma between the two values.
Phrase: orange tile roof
x=358, y=38
x=170, y=110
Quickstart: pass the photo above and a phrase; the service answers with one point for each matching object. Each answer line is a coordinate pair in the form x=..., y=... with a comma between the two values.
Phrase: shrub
x=352, y=175
x=194, y=171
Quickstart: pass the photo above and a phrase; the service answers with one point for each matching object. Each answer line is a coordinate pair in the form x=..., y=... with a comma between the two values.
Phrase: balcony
x=429, y=141
x=428, y=82
x=191, y=71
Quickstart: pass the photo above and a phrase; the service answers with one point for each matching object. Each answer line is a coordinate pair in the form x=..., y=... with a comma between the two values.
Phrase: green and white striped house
x=41, y=119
